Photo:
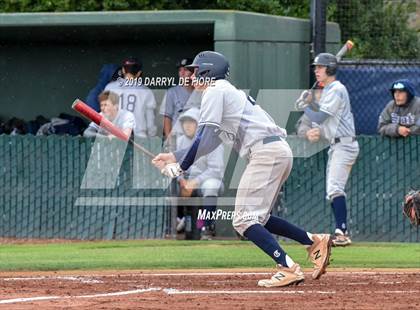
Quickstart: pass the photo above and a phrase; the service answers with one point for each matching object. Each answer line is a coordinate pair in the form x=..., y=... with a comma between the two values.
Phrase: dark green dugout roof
x=228, y=25
x=61, y=54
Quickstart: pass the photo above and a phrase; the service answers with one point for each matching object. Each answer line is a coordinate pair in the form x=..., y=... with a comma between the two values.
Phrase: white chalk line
x=41, y=298
x=172, y=291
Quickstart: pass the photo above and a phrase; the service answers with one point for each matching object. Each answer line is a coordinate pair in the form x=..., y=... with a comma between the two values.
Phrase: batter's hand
x=162, y=159
x=304, y=100
x=404, y=131
x=313, y=135
x=172, y=170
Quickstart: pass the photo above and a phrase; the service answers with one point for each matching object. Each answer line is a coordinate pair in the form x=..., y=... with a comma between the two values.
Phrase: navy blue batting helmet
x=210, y=65
x=327, y=60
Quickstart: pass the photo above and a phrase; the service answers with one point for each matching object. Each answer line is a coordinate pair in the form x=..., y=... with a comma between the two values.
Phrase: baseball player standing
x=136, y=98
x=334, y=121
x=177, y=100
x=228, y=115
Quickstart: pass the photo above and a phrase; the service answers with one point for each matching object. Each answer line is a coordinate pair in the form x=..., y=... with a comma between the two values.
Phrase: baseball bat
x=346, y=48
x=89, y=113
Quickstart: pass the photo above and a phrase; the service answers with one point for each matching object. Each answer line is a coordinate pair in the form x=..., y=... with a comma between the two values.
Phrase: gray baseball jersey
x=340, y=123
x=336, y=103
x=139, y=100
x=123, y=120
x=178, y=99
x=240, y=122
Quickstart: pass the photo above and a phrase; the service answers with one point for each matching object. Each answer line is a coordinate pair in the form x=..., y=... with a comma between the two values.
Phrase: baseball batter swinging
x=227, y=115
x=334, y=121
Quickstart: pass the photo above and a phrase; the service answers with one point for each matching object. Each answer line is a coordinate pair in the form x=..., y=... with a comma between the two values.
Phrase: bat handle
x=141, y=148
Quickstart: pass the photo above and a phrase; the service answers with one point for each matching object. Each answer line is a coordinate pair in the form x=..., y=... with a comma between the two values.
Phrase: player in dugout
x=109, y=105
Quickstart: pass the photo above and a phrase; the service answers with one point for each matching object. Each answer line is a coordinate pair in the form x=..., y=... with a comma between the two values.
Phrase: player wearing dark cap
x=135, y=97
x=178, y=99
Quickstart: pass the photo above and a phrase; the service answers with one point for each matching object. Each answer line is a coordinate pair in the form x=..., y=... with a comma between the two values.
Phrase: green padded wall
x=41, y=192
x=384, y=172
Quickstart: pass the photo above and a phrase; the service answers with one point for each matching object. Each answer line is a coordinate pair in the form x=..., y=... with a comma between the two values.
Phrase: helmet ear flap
x=331, y=70
x=203, y=74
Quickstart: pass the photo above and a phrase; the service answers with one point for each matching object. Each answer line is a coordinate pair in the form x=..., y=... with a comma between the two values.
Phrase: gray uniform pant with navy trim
x=268, y=168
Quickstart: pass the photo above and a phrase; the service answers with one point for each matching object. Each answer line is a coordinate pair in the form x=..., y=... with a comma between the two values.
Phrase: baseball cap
x=184, y=62
x=404, y=85
x=398, y=85
x=132, y=62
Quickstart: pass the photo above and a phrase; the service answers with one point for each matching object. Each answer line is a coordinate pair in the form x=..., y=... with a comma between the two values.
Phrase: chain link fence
x=384, y=172
x=41, y=192
x=42, y=197
x=368, y=83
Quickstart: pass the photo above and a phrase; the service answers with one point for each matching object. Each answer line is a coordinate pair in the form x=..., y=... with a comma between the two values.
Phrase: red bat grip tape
x=81, y=107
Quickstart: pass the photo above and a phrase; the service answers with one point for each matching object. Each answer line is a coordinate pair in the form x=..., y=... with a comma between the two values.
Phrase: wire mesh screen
x=368, y=83
x=384, y=172
x=41, y=194
x=42, y=197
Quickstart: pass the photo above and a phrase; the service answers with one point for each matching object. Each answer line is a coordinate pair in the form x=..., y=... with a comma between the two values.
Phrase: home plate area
x=208, y=289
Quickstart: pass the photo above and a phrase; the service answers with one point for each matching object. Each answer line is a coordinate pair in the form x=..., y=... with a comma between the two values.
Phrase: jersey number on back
x=128, y=102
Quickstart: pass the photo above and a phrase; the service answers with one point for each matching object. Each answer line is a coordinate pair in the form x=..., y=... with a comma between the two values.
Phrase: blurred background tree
x=380, y=28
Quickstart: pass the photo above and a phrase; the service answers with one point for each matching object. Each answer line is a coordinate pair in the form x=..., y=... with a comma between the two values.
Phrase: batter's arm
x=316, y=117
x=206, y=140
x=303, y=125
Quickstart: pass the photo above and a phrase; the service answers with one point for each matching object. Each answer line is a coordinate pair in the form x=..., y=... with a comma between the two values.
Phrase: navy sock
x=340, y=212
x=262, y=238
x=281, y=227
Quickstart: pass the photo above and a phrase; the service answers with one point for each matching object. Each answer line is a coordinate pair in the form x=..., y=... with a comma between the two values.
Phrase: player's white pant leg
x=211, y=187
x=341, y=158
x=268, y=168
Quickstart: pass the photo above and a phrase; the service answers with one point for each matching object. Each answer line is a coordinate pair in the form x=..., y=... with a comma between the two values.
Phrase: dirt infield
x=208, y=289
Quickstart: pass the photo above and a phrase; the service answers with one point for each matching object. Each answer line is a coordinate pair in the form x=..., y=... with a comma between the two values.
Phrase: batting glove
x=172, y=170
x=304, y=100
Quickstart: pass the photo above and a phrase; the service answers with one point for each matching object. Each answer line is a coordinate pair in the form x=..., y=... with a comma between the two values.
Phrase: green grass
x=168, y=254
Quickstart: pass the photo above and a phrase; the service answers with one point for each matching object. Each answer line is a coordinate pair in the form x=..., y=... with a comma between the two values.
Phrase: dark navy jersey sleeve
x=206, y=140
x=317, y=117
